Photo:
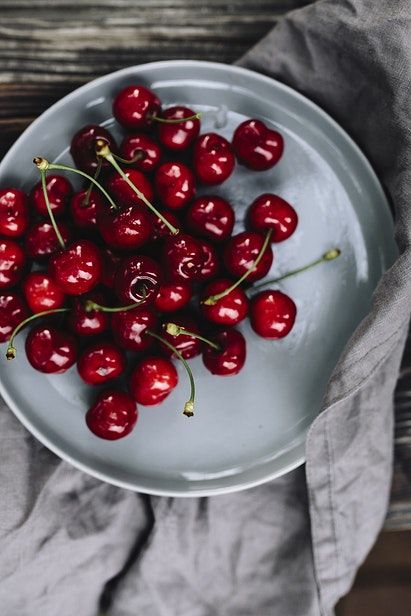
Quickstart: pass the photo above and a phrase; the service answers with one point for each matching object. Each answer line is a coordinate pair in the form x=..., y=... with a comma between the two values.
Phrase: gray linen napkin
x=290, y=547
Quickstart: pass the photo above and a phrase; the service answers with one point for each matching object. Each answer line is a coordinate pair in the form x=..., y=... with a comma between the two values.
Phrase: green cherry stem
x=213, y=299
x=97, y=172
x=189, y=405
x=138, y=156
x=330, y=255
x=176, y=330
x=49, y=210
x=196, y=116
x=11, y=352
x=89, y=306
x=103, y=150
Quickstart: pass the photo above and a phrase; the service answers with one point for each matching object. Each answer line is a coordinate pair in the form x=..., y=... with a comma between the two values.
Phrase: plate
x=250, y=428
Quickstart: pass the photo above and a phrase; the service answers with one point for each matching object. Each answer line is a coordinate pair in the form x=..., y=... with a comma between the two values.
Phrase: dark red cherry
x=241, y=252
x=127, y=228
x=160, y=230
x=137, y=279
x=172, y=296
x=78, y=268
x=101, y=362
x=178, y=136
x=129, y=328
x=230, y=357
x=152, y=380
x=211, y=217
x=183, y=257
x=42, y=292
x=13, y=310
x=135, y=106
x=12, y=263
x=59, y=191
x=211, y=264
x=14, y=212
x=84, y=213
x=214, y=159
x=111, y=261
x=188, y=346
x=141, y=145
x=272, y=314
x=123, y=194
x=175, y=185
x=88, y=323
x=230, y=309
x=41, y=240
x=272, y=212
x=50, y=350
x=83, y=147
x=113, y=415
x=257, y=146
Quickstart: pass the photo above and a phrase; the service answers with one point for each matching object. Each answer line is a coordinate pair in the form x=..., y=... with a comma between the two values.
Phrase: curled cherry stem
x=156, y=118
x=11, y=351
x=176, y=330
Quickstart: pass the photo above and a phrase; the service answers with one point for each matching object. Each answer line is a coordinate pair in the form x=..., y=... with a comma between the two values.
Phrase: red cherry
x=12, y=263
x=13, y=310
x=14, y=212
x=41, y=240
x=178, y=136
x=211, y=217
x=272, y=212
x=160, y=230
x=214, y=159
x=84, y=214
x=141, y=144
x=42, y=292
x=256, y=146
x=123, y=194
x=111, y=261
x=183, y=257
x=137, y=278
x=88, y=323
x=241, y=252
x=129, y=328
x=175, y=185
x=211, y=263
x=172, y=296
x=188, y=346
x=127, y=228
x=113, y=415
x=272, y=314
x=83, y=147
x=152, y=380
x=230, y=309
x=231, y=356
x=59, y=191
x=50, y=350
x=101, y=362
x=78, y=268
x=134, y=107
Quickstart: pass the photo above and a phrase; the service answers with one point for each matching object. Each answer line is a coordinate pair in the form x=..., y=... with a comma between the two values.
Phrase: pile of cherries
x=117, y=275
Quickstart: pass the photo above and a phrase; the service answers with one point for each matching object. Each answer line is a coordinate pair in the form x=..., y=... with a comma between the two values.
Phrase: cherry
x=241, y=252
x=137, y=279
x=111, y=261
x=13, y=310
x=126, y=228
x=122, y=192
x=172, y=296
x=113, y=415
x=211, y=263
x=230, y=309
x=101, y=362
x=183, y=257
x=142, y=148
x=211, y=217
x=135, y=106
x=85, y=322
x=178, y=136
x=272, y=314
x=12, y=263
x=272, y=212
x=129, y=328
x=257, y=146
x=42, y=292
x=41, y=240
x=152, y=380
x=83, y=147
x=50, y=349
x=175, y=185
x=78, y=268
x=59, y=191
x=160, y=230
x=230, y=356
x=85, y=207
x=186, y=343
x=214, y=159
x=14, y=212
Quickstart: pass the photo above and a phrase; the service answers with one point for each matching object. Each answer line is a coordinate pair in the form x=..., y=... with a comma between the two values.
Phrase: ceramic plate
x=249, y=428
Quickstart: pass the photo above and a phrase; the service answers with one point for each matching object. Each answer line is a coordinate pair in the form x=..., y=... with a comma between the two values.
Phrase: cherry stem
x=138, y=156
x=156, y=118
x=49, y=210
x=89, y=306
x=11, y=352
x=213, y=299
x=97, y=172
x=189, y=405
x=103, y=150
x=330, y=255
x=176, y=330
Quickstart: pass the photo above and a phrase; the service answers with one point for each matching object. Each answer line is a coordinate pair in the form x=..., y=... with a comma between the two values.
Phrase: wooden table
x=49, y=47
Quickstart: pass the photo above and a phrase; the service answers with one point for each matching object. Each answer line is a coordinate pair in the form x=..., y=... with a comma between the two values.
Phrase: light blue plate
x=252, y=427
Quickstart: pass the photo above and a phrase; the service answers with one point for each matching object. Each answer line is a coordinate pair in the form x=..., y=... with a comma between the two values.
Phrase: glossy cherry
x=135, y=106
x=78, y=268
x=127, y=228
x=13, y=310
x=178, y=136
x=101, y=362
x=59, y=191
x=137, y=279
x=160, y=230
x=50, y=350
x=152, y=380
x=84, y=209
x=41, y=240
x=230, y=309
x=211, y=263
x=83, y=322
x=41, y=292
x=123, y=194
x=241, y=252
x=113, y=415
x=272, y=314
x=257, y=146
x=129, y=328
x=187, y=345
x=213, y=160
x=172, y=296
x=211, y=217
x=144, y=149
x=12, y=263
x=231, y=355
x=83, y=147
x=175, y=185
x=14, y=212
x=272, y=212
x=183, y=257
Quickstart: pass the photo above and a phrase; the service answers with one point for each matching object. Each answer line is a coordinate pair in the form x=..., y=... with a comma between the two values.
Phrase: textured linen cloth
x=70, y=545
